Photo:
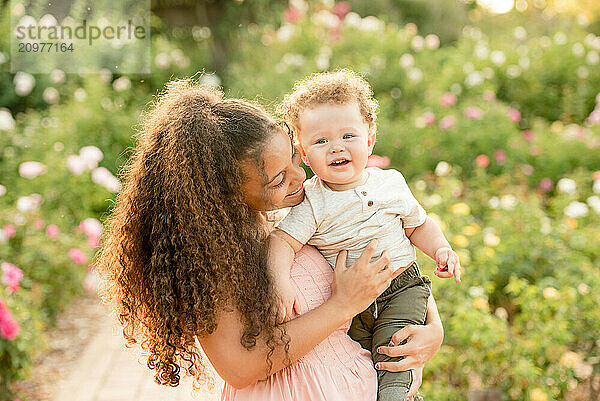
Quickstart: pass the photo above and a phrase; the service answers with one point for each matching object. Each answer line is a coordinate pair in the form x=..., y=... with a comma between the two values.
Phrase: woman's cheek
x=279, y=196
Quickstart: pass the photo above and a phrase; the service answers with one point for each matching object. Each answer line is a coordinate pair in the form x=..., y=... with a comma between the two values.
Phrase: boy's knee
x=395, y=393
x=393, y=386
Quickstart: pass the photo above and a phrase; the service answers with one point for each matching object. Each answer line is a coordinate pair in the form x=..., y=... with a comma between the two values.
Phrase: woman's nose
x=299, y=174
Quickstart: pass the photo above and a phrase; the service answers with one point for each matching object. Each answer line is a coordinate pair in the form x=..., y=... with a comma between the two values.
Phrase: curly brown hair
x=181, y=243
x=337, y=87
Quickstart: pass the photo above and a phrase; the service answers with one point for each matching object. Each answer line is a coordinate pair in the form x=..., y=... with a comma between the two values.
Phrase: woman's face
x=276, y=181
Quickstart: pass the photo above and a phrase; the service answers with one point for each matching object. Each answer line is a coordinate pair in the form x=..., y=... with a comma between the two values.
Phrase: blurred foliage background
x=491, y=109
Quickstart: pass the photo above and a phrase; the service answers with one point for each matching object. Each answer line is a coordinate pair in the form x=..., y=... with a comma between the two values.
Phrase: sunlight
x=497, y=6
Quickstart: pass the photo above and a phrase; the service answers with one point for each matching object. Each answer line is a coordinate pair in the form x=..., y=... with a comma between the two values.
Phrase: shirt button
x=370, y=203
x=364, y=193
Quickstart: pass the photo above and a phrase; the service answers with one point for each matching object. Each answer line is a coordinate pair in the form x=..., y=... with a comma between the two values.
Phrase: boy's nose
x=336, y=148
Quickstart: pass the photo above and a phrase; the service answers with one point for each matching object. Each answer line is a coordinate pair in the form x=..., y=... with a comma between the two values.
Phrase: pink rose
x=447, y=122
x=514, y=115
x=39, y=224
x=341, y=8
x=52, y=231
x=594, y=117
x=91, y=227
x=9, y=328
x=428, y=118
x=546, y=184
x=90, y=283
x=527, y=135
x=9, y=230
x=482, y=161
x=292, y=15
x=527, y=169
x=77, y=256
x=93, y=242
x=335, y=34
x=31, y=169
x=11, y=276
x=500, y=156
x=448, y=99
x=474, y=113
x=489, y=96
x=535, y=151
x=378, y=161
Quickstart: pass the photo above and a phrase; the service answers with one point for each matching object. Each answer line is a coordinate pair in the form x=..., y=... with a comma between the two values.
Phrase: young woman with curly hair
x=183, y=261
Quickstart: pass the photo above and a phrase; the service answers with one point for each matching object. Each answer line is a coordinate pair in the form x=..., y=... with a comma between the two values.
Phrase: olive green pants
x=403, y=303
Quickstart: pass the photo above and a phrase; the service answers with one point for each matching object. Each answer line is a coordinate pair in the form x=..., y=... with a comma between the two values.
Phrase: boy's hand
x=448, y=264
x=288, y=301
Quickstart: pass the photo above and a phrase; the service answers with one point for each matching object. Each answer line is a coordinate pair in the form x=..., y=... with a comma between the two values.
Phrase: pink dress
x=337, y=369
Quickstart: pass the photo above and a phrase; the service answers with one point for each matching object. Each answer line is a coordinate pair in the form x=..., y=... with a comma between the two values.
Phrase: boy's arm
x=428, y=237
x=282, y=249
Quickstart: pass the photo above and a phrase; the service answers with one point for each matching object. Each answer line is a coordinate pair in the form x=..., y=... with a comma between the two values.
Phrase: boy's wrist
x=446, y=246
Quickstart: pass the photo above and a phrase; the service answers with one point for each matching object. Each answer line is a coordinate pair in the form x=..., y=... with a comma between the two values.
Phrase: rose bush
x=498, y=134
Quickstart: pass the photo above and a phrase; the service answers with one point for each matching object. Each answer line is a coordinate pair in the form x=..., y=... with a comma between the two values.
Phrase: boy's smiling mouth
x=340, y=161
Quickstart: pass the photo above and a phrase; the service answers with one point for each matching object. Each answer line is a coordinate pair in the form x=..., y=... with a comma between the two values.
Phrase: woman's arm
x=241, y=367
x=353, y=289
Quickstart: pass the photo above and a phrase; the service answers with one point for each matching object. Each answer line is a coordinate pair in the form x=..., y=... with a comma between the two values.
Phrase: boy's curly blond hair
x=337, y=87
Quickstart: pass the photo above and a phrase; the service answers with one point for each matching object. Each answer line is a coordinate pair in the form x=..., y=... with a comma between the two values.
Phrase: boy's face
x=335, y=141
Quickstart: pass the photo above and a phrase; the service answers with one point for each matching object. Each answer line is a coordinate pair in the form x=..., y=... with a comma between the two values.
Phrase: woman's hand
x=354, y=288
x=422, y=344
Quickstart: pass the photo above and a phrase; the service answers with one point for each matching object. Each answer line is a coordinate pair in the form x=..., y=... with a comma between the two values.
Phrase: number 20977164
x=45, y=47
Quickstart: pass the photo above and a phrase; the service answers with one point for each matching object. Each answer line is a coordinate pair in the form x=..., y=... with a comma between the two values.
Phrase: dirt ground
x=75, y=327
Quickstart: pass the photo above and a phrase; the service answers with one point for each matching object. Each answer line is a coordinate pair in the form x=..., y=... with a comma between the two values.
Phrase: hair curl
x=337, y=87
x=181, y=243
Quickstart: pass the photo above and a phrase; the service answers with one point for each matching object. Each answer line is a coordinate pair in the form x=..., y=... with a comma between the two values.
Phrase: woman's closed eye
x=280, y=184
x=295, y=155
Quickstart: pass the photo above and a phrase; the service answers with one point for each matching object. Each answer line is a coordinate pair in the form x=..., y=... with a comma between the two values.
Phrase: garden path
x=107, y=371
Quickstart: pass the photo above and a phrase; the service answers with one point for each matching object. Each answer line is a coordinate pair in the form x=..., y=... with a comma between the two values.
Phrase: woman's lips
x=296, y=191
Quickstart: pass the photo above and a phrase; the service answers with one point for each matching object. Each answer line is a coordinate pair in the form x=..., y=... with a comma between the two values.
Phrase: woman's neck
x=262, y=218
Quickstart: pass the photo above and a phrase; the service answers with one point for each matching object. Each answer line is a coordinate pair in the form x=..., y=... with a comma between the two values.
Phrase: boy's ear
x=371, y=140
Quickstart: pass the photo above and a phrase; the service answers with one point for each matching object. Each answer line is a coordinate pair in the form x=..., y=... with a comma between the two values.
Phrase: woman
x=182, y=258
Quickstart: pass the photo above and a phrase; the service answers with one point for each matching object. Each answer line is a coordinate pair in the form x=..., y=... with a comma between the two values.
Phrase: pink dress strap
x=337, y=369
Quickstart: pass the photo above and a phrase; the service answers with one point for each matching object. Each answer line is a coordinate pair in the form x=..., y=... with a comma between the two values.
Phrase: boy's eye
x=348, y=136
x=320, y=141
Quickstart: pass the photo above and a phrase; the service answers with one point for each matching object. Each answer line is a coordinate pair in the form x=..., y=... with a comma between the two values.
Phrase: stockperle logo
x=80, y=36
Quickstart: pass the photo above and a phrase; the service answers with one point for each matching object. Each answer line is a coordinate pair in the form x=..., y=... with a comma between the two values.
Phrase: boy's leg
x=361, y=329
x=406, y=305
